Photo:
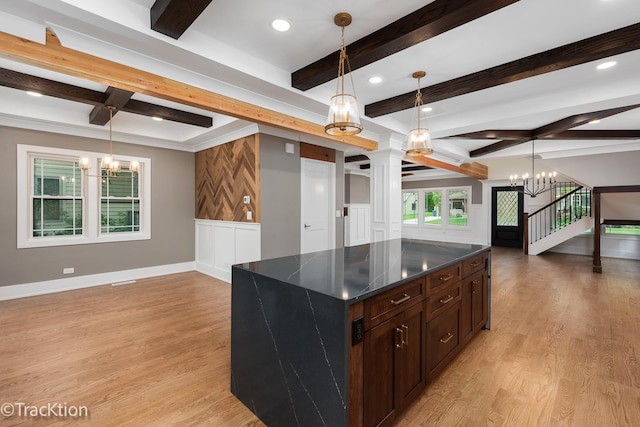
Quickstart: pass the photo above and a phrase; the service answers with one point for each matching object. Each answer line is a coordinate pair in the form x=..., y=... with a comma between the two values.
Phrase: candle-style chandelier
x=534, y=186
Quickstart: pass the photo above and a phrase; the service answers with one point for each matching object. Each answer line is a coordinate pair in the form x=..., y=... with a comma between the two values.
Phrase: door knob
x=307, y=225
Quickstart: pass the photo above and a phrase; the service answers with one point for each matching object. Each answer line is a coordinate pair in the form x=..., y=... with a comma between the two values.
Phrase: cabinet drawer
x=443, y=277
x=472, y=265
x=387, y=304
x=443, y=339
x=443, y=299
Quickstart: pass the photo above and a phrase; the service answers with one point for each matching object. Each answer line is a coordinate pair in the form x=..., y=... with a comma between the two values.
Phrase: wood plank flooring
x=563, y=350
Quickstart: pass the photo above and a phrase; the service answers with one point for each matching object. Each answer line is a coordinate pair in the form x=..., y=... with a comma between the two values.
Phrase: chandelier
x=344, y=115
x=532, y=186
x=109, y=165
x=419, y=140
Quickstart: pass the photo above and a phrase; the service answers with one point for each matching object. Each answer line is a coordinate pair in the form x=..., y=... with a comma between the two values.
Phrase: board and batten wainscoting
x=357, y=225
x=220, y=244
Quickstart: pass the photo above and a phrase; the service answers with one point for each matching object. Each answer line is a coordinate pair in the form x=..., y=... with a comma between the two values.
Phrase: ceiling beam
x=115, y=97
x=553, y=128
x=596, y=134
x=26, y=82
x=473, y=170
x=21, y=81
x=357, y=158
x=173, y=17
x=54, y=57
x=493, y=134
x=592, y=49
x=434, y=19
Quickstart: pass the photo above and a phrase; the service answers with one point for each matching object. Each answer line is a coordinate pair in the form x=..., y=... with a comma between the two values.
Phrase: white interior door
x=318, y=205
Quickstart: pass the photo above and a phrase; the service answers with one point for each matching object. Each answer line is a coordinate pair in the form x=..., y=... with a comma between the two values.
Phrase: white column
x=386, y=191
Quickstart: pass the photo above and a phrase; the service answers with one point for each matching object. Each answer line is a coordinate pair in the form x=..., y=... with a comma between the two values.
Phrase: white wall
x=221, y=244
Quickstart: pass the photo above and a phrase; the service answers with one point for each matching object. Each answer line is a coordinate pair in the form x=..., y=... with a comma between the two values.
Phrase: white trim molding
x=79, y=282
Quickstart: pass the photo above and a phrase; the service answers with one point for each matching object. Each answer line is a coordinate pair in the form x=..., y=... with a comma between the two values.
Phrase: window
x=441, y=208
x=410, y=208
x=59, y=204
x=458, y=207
x=433, y=207
x=633, y=230
x=56, y=198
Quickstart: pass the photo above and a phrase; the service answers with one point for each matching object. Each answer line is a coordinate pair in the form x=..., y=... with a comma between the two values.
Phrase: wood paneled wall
x=224, y=175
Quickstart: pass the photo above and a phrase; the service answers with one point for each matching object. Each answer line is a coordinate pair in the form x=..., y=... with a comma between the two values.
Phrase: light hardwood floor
x=563, y=350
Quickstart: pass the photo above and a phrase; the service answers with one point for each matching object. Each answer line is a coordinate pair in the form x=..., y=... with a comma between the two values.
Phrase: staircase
x=560, y=220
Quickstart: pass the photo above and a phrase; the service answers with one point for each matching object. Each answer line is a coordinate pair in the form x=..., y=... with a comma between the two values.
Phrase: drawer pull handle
x=405, y=298
x=399, y=342
x=476, y=264
x=444, y=301
x=447, y=277
x=447, y=338
x=476, y=282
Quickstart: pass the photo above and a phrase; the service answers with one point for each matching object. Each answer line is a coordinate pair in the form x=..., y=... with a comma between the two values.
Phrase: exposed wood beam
x=602, y=46
x=497, y=146
x=357, y=158
x=17, y=80
x=115, y=97
x=553, y=128
x=173, y=17
x=55, y=57
x=617, y=189
x=436, y=18
x=474, y=170
x=596, y=134
x=167, y=113
x=493, y=134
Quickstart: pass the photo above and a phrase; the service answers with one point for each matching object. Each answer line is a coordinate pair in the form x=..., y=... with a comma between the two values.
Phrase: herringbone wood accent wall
x=224, y=175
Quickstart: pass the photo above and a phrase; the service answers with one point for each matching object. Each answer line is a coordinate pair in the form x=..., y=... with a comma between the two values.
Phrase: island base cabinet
x=474, y=304
x=443, y=339
x=393, y=365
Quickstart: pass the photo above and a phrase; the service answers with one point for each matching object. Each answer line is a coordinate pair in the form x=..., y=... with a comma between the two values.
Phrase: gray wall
x=280, y=201
x=279, y=198
x=357, y=189
x=172, y=212
x=476, y=186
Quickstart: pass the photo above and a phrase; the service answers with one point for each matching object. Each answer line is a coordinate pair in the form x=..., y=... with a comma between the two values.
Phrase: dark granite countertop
x=356, y=272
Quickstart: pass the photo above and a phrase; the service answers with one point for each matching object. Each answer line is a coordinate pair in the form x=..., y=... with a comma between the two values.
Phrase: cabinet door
x=466, y=312
x=393, y=365
x=480, y=296
x=380, y=348
x=409, y=364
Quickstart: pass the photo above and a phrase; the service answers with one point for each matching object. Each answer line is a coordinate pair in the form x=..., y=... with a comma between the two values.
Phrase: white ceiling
x=231, y=49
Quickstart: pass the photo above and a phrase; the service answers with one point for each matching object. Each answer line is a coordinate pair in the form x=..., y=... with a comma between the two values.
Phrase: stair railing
x=566, y=210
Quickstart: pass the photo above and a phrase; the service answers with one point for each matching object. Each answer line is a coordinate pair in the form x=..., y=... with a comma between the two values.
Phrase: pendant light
x=108, y=164
x=344, y=114
x=419, y=140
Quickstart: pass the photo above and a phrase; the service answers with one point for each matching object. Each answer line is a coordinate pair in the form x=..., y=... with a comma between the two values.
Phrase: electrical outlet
x=68, y=270
x=249, y=215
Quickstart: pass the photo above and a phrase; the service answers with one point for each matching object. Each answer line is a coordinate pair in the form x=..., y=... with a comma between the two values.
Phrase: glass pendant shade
x=344, y=116
x=419, y=142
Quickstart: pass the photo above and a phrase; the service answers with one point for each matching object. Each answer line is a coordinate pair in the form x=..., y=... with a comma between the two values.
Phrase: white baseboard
x=79, y=282
x=214, y=272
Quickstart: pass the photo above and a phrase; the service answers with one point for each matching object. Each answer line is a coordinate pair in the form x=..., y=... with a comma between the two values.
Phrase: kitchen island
x=349, y=337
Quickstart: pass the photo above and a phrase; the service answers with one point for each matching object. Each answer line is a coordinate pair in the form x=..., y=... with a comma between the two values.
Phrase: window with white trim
x=437, y=207
x=60, y=204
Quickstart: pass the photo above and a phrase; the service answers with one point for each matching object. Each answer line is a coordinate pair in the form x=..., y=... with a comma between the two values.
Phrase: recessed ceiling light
x=280, y=25
x=156, y=118
x=427, y=109
x=32, y=93
x=375, y=80
x=606, y=65
x=593, y=122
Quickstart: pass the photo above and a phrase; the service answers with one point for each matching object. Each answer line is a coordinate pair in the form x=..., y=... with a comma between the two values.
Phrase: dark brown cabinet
x=393, y=365
x=475, y=302
x=443, y=339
